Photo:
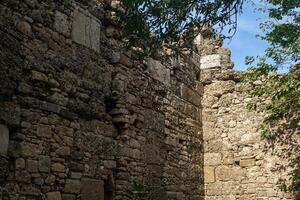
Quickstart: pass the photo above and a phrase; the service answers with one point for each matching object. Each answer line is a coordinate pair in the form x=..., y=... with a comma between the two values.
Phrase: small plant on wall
x=138, y=191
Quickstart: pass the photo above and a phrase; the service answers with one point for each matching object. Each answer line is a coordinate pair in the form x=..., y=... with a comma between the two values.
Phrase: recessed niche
x=4, y=139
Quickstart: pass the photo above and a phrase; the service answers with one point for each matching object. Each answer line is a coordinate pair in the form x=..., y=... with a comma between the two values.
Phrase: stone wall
x=81, y=119
x=238, y=162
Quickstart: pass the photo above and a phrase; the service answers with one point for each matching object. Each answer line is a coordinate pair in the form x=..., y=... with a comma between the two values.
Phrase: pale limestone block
x=86, y=29
x=247, y=162
x=198, y=41
x=209, y=174
x=4, y=139
x=78, y=27
x=210, y=61
x=158, y=71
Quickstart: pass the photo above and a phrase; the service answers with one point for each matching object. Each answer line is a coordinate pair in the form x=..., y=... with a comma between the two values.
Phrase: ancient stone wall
x=81, y=119
x=238, y=162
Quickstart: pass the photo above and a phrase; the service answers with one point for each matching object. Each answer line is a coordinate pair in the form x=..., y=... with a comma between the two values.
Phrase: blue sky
x=244, y=42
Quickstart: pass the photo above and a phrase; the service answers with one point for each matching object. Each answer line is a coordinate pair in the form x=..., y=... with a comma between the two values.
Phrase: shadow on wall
x=285, y=143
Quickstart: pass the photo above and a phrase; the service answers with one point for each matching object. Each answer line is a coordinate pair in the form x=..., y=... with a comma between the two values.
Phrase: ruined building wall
x=238, y=162
x=80, y=119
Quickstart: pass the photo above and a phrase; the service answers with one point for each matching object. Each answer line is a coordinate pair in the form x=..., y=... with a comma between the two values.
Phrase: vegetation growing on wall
x=151, y=24
x=279, y=94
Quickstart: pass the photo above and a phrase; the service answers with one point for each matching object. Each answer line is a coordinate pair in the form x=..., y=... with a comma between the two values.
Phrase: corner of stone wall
x=237, y=162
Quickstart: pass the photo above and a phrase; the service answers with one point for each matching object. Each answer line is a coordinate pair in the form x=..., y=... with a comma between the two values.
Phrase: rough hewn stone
x=20, y=163
x=72, y=186
x=158, y=71
x=53, y=196
x=44, y=131
x=227, y=173
x=32, y=165
x=92, y=189
x=61, y=23
x=57, y=167
x=44, y=163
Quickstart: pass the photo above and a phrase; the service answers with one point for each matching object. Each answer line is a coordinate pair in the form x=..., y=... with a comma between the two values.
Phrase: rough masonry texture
x=86, y=119
x=238, y=162
x=82, y=119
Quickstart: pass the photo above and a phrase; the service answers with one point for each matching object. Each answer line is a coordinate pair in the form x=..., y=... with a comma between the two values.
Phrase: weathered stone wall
x=81, y=119
x=238, y=162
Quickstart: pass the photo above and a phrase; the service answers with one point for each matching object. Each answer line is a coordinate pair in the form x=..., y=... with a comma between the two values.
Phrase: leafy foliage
x=138, y=191
x=278, y=95
x=151, y=24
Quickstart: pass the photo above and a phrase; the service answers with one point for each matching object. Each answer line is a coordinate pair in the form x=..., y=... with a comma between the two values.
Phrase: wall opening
x=109, y=188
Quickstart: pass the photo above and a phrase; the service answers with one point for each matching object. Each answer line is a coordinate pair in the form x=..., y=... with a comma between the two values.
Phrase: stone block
x=39, y=76
x=158, y=71
x=68, y=197
x=209, y=174
x=44, y=131
x=92, y=189
x=23, y=176
x=110, y=164
x=10, y=113
x=76, y=175
x=190, y=95
x=53, y=196
x=229, y=173
x=44, y=163
x=57, y=167
x=61, y=23
x=20, y=163
x=26, y=149
x=212, y=158
x=86, y=29
x=24, y=27
x=210, y=61
x=220, y=88
x=63, y=151
x=72, y=186
x=154, y=120
x=4, y=139
x=32, y=165
x=247, y=162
